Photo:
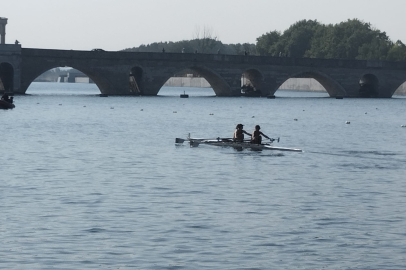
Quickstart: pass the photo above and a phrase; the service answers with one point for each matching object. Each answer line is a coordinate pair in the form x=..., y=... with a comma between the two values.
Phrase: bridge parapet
x=234, y=59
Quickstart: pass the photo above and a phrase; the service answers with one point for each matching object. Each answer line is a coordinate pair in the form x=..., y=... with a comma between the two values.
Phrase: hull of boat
x=243, y=145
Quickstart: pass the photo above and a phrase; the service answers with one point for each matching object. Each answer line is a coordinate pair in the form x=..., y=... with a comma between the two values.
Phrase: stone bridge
x=135, y=73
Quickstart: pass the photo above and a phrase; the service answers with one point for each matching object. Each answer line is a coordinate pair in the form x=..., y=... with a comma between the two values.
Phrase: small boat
x=250, y=91
x=228, y=142
x=6, y=105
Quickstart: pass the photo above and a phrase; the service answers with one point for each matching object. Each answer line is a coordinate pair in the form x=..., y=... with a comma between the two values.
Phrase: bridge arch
x=252, y=79
x=217, y=83
x=101, y=82
x=333, y=88
x=401, y=89
x=6, y=77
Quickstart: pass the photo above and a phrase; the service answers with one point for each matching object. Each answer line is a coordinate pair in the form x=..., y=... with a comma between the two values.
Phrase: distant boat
x=250, y=91
x=6, y=105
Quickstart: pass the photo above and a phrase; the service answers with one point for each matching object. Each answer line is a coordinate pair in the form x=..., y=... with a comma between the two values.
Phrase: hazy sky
x=119, y=24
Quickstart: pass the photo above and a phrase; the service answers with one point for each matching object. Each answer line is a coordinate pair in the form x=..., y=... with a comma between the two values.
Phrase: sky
x=119, y=24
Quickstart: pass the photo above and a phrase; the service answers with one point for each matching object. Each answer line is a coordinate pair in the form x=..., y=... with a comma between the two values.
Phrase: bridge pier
x=10, y=68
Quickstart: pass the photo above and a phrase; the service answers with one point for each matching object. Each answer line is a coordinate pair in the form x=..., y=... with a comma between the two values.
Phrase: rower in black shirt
x=256, y=135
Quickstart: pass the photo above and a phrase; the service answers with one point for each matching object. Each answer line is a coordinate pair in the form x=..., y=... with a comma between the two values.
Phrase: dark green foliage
x=202, y=45
x=397, y=52
x=266, y=43
x=352, y=39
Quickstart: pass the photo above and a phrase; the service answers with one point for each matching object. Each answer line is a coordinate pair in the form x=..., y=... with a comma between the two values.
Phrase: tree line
x=200, y=45
x=352, y=39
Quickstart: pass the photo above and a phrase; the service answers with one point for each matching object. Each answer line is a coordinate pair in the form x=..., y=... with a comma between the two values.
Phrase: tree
x=296, y=40
x=397, y=52
x=205, y=41
x=352, y=39
x=266, y=41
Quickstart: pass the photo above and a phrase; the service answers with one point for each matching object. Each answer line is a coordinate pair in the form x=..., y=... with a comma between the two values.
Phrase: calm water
x=91, y=182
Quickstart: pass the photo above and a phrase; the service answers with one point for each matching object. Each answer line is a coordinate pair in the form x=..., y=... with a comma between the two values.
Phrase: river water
x=91, y=182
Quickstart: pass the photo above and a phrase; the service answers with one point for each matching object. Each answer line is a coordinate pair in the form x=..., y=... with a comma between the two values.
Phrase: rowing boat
x=227, y=142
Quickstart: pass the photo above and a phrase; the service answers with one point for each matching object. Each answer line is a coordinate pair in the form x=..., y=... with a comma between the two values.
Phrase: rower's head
x=240, y=126
x=257, y=127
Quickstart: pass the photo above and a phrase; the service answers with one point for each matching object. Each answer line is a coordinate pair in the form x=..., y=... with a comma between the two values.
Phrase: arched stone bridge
x=111, y=71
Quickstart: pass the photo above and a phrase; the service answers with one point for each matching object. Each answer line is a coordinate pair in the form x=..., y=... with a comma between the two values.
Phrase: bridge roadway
x=111, y=71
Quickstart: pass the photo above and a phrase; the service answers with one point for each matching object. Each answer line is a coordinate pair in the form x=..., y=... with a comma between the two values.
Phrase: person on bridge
x=256, y=135
x=238, y=135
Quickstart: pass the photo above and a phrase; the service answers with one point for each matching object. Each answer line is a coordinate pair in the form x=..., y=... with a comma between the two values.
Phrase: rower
x=238, y=135
x=256, y=135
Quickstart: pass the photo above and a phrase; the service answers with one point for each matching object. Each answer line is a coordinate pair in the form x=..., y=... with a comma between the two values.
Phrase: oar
x=272, y=139
x=180, y=140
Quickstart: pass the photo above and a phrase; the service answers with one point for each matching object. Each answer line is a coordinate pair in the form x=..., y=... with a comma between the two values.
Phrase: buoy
x=348, y=122
x=295, y=119
x=174, y=111
x=403, y=125
x=184, y=95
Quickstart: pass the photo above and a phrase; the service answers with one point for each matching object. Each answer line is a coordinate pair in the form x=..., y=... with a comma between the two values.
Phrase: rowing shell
x=237, y=145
